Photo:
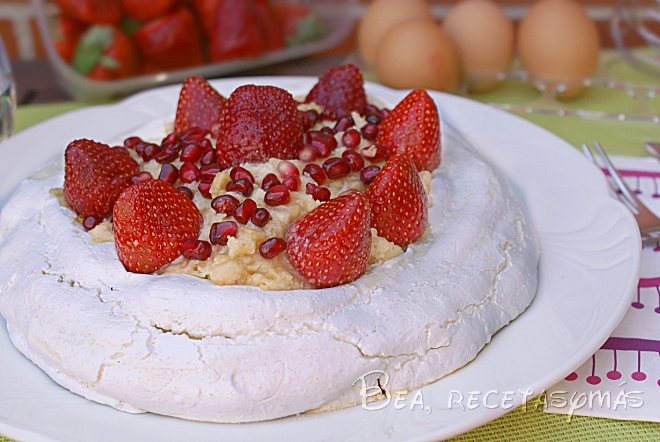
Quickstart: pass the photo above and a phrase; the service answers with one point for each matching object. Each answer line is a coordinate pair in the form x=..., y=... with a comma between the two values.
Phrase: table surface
x=40, y=97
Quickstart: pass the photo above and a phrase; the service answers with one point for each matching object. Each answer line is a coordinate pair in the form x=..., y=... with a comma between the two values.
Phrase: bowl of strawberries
x=102, y=49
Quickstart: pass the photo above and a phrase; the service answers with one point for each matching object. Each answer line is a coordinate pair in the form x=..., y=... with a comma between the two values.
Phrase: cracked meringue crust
x=181, y=346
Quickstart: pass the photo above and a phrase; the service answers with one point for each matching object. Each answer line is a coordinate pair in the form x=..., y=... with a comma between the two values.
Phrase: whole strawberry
x=94, y=176
x=330, y=245
x=399, y=206
x=413, y=128
x=259, y=123
x=152, y=220
x=199, y=105
x=341, y=87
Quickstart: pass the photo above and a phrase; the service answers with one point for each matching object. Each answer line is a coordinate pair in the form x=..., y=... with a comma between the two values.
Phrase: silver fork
x=648, y=223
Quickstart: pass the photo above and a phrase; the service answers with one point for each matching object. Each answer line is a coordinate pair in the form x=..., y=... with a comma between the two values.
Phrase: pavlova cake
x=258, y=257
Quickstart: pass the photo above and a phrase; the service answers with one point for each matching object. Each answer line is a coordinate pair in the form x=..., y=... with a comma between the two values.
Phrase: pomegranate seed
x=192, y=153
x=208, y=171
x=243, y=212
x=166, y=156
x=204, y=188
x=315, y=172
x=225, y=204
x=169, y=173
x=307, y=121
x=384, y=113
x=172, y=145
x=354, y=159
x=239, y=173
x=351, y=138
x=139, y=147
x=292, y=182
x=323, y=142
x=368, y=174
x=193, y=134
x=319, y=193
x=370, y=131
x=341, y=113
x=130, y=142
x=189, y=172
x=307, y=153
x=171, y=137
x=371, y=109
x=343, y=124
x=373, y=118
x=209, y=157
x=196, y=249
x=150, y=151
x=141, y=176
x=336, y=168
x=326, y=130
x=313, y=115
x=205, y=144
x=272, y=247
x=90, y=222
x=287, y=168
x=277, y=195
x=328, y=115
x=269, y=181
x=220, y=232
x=242, y=186
x=187, y=192
x=260, y=217
x=374, y=153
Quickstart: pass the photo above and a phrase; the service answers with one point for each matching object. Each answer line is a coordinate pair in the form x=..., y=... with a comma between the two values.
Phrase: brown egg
x=558, y=45
x=484, y=38
x=417, y=54
x=383, y=15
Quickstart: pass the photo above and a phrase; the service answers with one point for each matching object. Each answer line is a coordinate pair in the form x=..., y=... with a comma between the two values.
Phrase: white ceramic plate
x=590, y=259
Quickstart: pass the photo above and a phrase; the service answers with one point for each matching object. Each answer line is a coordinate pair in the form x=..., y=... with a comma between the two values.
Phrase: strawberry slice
x=199, y=105
x=341, y=87
x=330, y=245
x=413, y=128
x=94, y=176
x=259, y=123
x=152, y=220
x=398, y=202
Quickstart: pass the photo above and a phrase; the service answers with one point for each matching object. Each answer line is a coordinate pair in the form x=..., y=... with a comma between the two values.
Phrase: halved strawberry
x=152, y=220
x=94, y=176
x=199, y=105
x=330, y=245
x=259, y=123
x=341, y=87
x=413, y=128
x=399, y=206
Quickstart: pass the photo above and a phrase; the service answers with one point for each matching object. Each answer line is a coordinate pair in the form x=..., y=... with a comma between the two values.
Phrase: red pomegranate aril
x=354, y=159
x=239, y=173
x=225, y=204
x=186, y=191
x=315, y=172
x=243, y=212
x=208, y=171
x=205, y=144
x=328, y=115
x=189, y=172
x=196, y=249
x=220, y=232
x=371, y=109
x=90, y=222
x=141, y=176
x=139, y=147
x=242, y=186
x=169, y=173
x=131, y=142
x=260, y=217
x=292, y=182
x=209, y=157
x=384, y=113
x=307, y=153
x=370, y=131
x=287, y=168
x=336, y=168
x=171, y=137
x=319, y=193
x=269, y=181
x=192, y=153
x=193, y=134
x=351, y=138
x=374, y=153
x=204, y=188
x=277, y=195
x=172, y=145
x=307, y=122
x=166, y=156
x=373, y=118
x=150, y=151
x=368, y=174
x=272, y=247
x=343, y=124
x=326, y=130
x=341, y=113
x=313, y=115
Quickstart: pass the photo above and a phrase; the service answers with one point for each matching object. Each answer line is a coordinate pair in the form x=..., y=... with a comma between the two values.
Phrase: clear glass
x=7, y=95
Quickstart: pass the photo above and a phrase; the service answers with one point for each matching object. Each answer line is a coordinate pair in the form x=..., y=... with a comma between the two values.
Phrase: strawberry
x=259, y=123
x=94, y=176
x=103, y=12
x=66, y=32
x=398, y=202
x=340, y=88
x=106, y=53
x=145, y=10
x=330, y=245
x=199, y=105
x=236, y=31
x=151, y=221
x=413, y=128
